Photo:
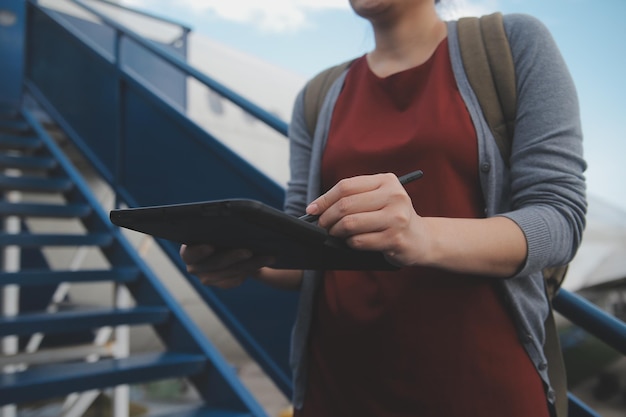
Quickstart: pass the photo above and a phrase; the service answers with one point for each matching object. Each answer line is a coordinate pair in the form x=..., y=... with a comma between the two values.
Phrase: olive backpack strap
x=316, y=90
x=490, y=70
x=556, y=366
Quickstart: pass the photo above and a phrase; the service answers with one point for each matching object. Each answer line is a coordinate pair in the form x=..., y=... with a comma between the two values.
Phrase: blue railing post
x=12, y=30
x=119, y=115
x=185, y=54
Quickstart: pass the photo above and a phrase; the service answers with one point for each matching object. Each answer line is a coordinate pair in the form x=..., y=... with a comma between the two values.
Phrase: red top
x=419, y=341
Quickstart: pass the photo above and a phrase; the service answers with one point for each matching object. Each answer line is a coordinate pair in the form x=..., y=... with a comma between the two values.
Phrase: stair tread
x=47, y=277
x=54, y=239
x=27, y=162
x=27, y=183
x=14, y=125
x=44, y=210
x=79, y=319
x=8, y=141
x=207, y=411
x=56, y=380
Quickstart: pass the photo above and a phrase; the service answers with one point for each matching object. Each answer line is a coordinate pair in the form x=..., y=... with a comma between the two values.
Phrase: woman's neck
x=405, y=41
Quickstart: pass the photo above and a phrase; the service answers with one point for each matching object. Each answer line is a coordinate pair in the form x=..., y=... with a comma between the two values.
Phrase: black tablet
x=250, y=224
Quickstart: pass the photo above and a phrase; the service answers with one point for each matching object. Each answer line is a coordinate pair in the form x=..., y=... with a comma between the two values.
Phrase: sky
x=306, y=36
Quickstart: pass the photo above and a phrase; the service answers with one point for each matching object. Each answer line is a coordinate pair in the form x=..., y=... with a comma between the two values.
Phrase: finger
x=232, y=270
x=347, y=207
x=221, y=282
x=191, y=254
x=236, y=272
x=389, y=199
x=357, y=224
x=219, y=261
x=380, y=242
x=232, y=283
x=344, y=188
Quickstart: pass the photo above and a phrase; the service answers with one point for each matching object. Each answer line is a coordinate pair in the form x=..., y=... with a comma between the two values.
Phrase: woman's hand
x=374, y=212
x=229, y=269
x=222, y=269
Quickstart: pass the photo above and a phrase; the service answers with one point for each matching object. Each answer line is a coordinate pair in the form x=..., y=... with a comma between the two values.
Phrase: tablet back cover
x=249, y=224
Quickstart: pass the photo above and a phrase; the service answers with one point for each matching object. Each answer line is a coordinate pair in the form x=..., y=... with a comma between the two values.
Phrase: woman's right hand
x=222, y=269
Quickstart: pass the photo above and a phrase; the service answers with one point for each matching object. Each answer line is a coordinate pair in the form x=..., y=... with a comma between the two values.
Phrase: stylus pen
x=404, y=179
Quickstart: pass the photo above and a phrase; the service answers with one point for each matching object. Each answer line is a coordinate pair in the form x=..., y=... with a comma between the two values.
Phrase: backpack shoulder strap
x=556, y=364
x=488, y=63
x=316, y=90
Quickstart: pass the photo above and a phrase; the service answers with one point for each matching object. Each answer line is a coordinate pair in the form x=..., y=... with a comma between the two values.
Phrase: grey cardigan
x=543, y=191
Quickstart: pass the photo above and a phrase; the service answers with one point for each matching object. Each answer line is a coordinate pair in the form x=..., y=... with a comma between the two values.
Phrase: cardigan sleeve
x=548, y=194
x=300, y=148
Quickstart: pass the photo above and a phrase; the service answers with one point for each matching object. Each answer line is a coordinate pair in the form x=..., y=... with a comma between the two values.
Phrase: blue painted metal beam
x=29, y=163
x=593, y=319
x=49, y=381
x=28, y=240
x=35, y=184
x=19, y=142
x=31, y=278
x=79, y=320
x=146, y=14
x=13, y=125
x=44, y=210
x=12, y=42
x=207, y=412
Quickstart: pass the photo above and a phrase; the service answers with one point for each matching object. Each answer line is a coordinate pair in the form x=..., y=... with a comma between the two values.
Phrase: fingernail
x=312, y=208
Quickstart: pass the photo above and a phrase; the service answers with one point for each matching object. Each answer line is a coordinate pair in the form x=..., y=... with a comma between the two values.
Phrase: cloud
x=454, y=9
x=268, y=15
x=291, y=15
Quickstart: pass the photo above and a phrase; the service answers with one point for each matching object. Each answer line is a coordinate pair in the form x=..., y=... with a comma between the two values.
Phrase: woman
x=458, y=329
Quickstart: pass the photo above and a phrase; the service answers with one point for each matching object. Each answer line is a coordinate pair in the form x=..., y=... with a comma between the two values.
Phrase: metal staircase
x=34, y=173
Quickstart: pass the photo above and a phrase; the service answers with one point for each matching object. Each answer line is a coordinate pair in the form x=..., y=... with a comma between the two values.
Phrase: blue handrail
x=183, y=26
x=251, y=108
x=594, y=320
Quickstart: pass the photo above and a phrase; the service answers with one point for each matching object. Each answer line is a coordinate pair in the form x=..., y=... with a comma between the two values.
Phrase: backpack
x=490, y=70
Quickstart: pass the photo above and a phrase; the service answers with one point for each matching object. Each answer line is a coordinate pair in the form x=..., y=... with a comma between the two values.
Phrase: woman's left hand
x=373, y=212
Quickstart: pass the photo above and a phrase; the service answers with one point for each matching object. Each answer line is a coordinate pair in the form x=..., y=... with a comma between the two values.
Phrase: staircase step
x=17, y=142
x=14, y=125
x=46, y=277
x=206, y=411
x=35, y=184
x=28, y=240
x=79, y=320
x=27, y=162
x=51, y=381
x=44, y=210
